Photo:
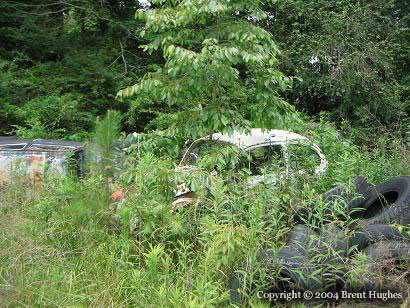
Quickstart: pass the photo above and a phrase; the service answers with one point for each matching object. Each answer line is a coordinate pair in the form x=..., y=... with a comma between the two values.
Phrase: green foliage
x=208, y=66
x=64, y=246
x=57, y=116
x=106, y=134
x=347, y=55
x=156, y=143
x=220, y=70
x=61, y=65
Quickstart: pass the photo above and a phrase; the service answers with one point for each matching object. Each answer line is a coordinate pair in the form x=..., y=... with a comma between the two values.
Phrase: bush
x=75, y=249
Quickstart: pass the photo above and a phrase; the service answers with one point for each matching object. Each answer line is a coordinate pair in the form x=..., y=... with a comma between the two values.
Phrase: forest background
x=335, y=71
x=63, y=62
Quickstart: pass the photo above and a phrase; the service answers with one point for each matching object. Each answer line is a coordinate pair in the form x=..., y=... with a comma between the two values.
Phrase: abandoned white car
x=267, y=155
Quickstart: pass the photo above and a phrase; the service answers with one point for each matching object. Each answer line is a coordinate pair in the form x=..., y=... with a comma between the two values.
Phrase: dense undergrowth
x=213, y=66
x=70, y=245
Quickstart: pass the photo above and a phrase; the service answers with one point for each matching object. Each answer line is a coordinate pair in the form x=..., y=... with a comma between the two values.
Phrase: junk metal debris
x=274, y=144
x=315, y=255
x=38, y=158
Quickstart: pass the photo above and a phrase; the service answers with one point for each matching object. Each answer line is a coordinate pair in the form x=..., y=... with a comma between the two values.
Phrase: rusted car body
x=38, y=158
x=276, y=143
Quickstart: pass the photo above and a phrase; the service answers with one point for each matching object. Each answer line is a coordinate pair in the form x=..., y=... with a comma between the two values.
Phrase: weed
x=66, y=246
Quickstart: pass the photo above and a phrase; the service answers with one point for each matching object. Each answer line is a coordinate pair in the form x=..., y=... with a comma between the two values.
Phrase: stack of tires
x=314, y=259
x=386, y=204
x=310, y=261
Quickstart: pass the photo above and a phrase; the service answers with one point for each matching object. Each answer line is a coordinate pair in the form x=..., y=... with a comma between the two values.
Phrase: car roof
x=255, y=137
x=32, y=142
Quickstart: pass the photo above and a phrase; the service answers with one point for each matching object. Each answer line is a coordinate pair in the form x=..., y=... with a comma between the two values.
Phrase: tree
x=106, y=134
x=62, y=62
x=351, y=56
x=219, y=72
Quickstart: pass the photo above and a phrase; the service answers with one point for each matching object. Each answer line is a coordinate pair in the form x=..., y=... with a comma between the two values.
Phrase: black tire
x=302, y=214
x=367, y=235
x=364, y=190
x=333, y=243
x=334, y=194
x=303, y=240
x=362, y=187
x=329, y=245
x=295, y=272
x=290, y=266
x=234, y=285
x=388, y=250
x=270, y=262
x=391, y=204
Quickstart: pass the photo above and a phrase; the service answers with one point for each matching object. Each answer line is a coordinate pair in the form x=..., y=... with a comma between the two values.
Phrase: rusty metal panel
x=37, y=159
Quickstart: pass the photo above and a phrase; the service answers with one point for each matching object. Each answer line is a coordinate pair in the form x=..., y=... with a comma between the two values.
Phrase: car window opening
x=266, y=158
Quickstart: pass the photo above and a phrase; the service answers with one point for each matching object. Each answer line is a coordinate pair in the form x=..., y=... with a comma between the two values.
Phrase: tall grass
x=64, y=246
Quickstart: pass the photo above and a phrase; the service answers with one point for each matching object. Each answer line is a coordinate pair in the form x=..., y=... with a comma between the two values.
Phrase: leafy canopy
x=220, y=71
x=350, y=55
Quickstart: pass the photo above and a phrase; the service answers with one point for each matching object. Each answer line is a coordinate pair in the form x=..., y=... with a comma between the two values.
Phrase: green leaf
x=214, y=57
